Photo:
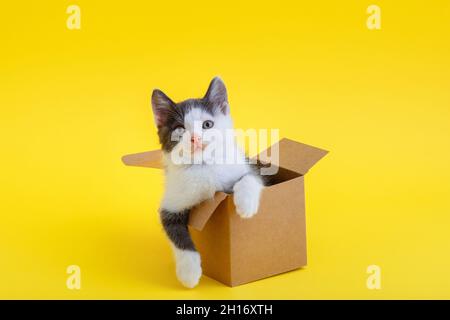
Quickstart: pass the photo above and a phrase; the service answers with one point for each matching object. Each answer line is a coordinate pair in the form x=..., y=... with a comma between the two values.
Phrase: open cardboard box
x=235, y=251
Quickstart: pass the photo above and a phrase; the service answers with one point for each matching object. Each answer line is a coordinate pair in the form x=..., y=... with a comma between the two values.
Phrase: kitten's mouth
x=195, y=147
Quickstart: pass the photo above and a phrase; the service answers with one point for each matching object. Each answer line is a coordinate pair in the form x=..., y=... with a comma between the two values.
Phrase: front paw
x=246, y=196
x=188, y=267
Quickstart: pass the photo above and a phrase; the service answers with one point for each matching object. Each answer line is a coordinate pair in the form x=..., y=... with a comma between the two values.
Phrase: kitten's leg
x=188, y=264
x=247, y=192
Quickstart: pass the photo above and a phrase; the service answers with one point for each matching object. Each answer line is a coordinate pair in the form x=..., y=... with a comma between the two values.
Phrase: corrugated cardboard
x=236, y=251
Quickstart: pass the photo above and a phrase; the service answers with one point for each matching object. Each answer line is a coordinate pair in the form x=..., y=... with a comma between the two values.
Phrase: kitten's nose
x=195, y=139
x=196, y=143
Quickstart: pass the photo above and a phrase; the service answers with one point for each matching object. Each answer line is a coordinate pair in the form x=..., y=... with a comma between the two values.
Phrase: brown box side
x=274, y=240
x=213, y=244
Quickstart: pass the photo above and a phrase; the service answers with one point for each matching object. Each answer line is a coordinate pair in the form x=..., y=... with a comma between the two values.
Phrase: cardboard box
x=235, y=251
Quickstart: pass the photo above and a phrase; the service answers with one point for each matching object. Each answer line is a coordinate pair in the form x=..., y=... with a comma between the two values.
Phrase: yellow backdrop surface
x=74, y=101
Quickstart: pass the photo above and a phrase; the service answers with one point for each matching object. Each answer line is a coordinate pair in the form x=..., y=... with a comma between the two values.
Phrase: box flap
x=201, y=213
x=293, y=155
x=150, y=159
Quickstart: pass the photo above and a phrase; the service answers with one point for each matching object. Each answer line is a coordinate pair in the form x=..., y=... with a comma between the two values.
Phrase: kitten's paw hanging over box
x=189, y=270
x=246, y=196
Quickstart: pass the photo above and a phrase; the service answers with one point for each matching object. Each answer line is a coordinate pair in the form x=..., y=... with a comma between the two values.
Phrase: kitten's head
x=190, y=120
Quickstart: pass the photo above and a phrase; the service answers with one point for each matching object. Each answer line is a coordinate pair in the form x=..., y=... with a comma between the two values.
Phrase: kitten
x=184, y=126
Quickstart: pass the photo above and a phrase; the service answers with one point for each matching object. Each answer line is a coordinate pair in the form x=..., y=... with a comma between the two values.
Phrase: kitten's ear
x=162, y=106
x=217, y=95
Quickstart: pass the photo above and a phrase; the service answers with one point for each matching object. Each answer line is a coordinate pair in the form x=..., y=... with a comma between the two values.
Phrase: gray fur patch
x=175, y=226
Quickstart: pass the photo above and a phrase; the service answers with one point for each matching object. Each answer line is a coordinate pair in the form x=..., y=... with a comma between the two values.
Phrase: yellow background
x=74, y=101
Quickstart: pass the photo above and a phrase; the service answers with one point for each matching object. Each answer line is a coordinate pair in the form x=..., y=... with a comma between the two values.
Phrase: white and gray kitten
x=187, y=185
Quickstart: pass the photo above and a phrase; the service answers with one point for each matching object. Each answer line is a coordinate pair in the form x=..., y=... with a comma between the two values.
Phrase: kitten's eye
x=179, y=130
x=208, y=124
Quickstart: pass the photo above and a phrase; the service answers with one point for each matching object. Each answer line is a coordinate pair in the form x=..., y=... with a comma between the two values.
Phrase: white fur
x=188, y=267
x=247, y=192
x=186, y=186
